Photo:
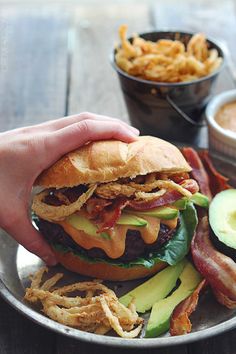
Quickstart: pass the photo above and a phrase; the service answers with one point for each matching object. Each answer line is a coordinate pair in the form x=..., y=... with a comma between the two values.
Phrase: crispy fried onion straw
x=51, y=212
x=98, y=311
x=166, y=60
x=140, y=191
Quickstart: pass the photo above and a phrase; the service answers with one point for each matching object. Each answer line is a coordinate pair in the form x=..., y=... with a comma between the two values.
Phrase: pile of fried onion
x=97, y=311
x=145, y=192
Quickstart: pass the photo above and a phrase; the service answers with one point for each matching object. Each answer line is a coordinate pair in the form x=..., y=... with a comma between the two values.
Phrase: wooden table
x=54, y=61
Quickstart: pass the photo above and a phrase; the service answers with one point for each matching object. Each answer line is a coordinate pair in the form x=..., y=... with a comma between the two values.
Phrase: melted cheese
x=172, y=223
x=115, y=246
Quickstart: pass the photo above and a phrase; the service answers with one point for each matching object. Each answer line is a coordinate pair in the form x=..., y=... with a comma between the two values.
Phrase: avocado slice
x=197, y=198
x=180, y=204
x=79, y=222
x=160, y=213
x=154, y=289
x=129, y=219
x=159, y=321
x=222, y=218
x=200, y=200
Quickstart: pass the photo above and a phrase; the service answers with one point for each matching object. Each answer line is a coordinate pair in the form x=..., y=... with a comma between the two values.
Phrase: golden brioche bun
x=104, y=270
x=109, y=160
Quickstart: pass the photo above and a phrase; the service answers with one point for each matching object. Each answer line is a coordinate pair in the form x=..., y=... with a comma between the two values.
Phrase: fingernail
x=50, y=260
x=135, y=130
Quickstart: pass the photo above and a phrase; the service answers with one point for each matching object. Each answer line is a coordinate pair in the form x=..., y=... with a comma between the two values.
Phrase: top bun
x=109, y=160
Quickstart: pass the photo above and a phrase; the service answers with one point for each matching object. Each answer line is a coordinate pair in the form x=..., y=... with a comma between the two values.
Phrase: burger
x=117, y=211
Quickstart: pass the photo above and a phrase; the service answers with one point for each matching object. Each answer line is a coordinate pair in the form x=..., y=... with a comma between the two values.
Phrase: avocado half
x=222, y=218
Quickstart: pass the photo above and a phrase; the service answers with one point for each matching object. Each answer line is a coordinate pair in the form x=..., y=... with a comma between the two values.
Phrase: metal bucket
x=172, y=111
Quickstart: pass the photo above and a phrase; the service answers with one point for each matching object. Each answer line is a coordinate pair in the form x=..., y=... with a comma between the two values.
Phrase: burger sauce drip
x=115, y=246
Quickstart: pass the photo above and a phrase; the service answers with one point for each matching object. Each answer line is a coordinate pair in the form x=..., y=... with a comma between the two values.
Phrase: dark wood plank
x=213, y=17
x=222, y=344
x=94, y=84
x=20, y=335
x=33, y=65
x=33, y=88
x=75, y=347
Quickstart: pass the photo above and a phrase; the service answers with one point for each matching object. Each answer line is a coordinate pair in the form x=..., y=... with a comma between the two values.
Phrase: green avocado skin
x=221, y=247
x=222, y=218
x=159, y=320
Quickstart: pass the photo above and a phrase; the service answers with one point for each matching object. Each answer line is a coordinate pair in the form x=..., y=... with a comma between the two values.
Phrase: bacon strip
x=191, y=185
x=224, y=300
x=168, y=198
x=106, y=213
x=180, y=322
x=198, y=171
x=95, y=205
x=218, y=182
x=218, y=269
x=110, y=215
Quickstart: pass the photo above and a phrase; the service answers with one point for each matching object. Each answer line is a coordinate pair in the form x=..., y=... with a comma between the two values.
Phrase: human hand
x=26, y=152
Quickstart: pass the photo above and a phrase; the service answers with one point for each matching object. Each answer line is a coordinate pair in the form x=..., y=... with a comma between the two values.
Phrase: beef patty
x=134, y=245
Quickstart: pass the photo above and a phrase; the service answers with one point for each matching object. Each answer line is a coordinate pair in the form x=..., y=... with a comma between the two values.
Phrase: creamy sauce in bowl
x=226, y=116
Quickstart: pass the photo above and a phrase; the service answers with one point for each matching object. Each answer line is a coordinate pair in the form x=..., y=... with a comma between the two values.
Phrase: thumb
x=24, y=233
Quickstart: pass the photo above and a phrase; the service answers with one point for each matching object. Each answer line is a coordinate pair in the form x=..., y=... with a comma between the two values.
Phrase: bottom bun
x=104, y=270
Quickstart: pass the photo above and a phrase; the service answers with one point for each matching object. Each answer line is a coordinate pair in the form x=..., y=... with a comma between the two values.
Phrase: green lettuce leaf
x=178, y=246
x=172, y=252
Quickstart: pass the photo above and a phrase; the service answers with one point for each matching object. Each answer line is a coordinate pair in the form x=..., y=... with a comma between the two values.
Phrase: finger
x=32, y=240
x=76, y=135
x=65, y=121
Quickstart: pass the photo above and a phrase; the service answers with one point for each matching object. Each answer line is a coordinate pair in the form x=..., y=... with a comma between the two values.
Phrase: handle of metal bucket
x=182, y=114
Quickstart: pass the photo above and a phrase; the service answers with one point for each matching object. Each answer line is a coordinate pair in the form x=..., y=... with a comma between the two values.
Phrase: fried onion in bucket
x=166, y=60
x=97, y=311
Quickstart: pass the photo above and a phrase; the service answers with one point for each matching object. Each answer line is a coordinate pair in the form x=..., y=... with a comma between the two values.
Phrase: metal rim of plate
x=108, y=340
x=46, y=322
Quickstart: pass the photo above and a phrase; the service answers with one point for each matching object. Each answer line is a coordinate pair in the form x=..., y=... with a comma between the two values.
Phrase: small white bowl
x=221, y=140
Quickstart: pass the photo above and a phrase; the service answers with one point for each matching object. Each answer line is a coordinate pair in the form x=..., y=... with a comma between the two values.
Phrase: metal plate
x=16, y=264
